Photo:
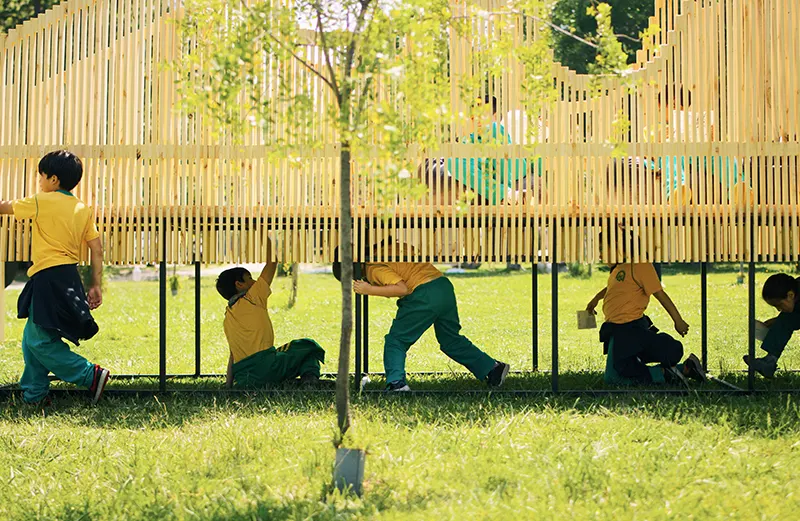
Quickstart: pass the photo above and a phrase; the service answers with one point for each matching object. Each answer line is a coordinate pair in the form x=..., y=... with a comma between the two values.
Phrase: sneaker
x=765, y=366
x=694, y=369
x=99, y=384
x=498, y=374
x=398, y=386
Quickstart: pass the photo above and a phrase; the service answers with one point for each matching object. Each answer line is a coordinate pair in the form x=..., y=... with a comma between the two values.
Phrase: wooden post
x=3, y=303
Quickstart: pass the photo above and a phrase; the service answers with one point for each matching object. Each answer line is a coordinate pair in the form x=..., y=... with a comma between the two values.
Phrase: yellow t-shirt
x=628, y=292
x=61, y=224
x=247, y=325
x=414, y=274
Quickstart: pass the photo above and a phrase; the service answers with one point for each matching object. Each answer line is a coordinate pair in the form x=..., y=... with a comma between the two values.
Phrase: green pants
x=431, y=304
x=781, y=331
x=274, y=365
x=45, y=352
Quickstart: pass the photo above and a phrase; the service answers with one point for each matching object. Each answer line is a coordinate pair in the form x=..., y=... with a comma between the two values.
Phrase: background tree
x=14, y=12
x=628, y=19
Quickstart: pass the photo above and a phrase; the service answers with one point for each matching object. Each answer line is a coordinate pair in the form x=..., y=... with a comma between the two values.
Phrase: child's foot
x=498, y=374
x=397, y=386
x=765, y=366
x=99, y=384
x=694, y=369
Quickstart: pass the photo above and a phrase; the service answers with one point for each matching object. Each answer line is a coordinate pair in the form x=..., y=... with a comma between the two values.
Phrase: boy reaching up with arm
x=254, y=361
x=54, y=301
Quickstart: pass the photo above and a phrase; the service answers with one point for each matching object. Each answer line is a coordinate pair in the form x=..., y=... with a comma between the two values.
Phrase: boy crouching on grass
x=425, y=298
x=254, y=361
x=782, y=292
x=54, y=301
x=630, y=340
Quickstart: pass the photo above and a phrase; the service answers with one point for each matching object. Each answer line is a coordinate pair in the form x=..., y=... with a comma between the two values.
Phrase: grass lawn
x=269, y=456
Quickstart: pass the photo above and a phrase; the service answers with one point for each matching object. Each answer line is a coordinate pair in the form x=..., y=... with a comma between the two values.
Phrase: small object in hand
x=586, y=320
x=761, y=331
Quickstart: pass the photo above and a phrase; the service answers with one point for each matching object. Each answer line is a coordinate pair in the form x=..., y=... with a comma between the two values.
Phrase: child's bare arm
x=394, y=290
x=6, y=208
x=596, y=300
x=680, y=325
x=229, y=373
x=268, y=273
x=770, y=322
x=95, y=295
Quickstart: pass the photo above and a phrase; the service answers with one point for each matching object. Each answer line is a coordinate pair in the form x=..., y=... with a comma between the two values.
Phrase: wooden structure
x=709, y=171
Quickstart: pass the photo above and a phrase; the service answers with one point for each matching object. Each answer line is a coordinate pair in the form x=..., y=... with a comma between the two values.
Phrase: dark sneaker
x=99, y=384
x=398, y=386
x=498, y=374
x=766, y=366
x=310, y=381
x=694, y=369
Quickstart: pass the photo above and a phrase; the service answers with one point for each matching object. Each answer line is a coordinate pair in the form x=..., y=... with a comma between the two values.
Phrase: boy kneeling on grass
x=254, y=361
x=782, y=292
x=54, y=301
x=630, y=340
x=425, y=298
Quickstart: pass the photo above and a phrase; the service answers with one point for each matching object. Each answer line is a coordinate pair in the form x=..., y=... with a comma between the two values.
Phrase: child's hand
x=681, y=327
x=591, y=305
x=95, y=297
x=362, y=287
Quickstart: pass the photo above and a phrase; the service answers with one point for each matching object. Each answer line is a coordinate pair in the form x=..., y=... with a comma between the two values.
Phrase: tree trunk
x=346, y=257
x=293, y=293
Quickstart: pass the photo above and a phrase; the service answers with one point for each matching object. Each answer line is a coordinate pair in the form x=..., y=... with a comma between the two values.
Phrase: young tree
x=383, y=64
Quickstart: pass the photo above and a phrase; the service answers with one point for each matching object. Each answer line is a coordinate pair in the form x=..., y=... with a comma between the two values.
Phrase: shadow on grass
x=449, y=400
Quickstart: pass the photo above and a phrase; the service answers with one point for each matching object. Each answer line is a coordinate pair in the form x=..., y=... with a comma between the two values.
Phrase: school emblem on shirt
x=621, y=276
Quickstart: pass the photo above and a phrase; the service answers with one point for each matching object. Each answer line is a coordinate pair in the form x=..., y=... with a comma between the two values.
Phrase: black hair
x=679, y=97
x=65, y=166
x=226, y=282
x=778, y=286
x=359, y=269
x=487, y=99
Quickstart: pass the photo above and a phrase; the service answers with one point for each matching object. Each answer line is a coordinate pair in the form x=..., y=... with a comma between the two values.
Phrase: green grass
x=269, y=456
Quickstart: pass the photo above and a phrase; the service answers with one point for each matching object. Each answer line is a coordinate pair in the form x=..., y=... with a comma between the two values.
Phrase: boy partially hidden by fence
x=254, y=360
x=425, y=298
x=54, y=301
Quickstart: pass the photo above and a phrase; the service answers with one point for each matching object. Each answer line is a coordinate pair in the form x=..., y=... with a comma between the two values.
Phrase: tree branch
x=304, y=63
x=325, y=48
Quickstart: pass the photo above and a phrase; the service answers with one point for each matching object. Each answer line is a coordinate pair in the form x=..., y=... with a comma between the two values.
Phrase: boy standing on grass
x=425, y=298
x=630, y=340
x=54, y=301
x=254, y=361
x=782, y=292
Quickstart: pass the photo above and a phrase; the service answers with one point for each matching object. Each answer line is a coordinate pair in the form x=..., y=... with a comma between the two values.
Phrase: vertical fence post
x=162, y=310
x=751, y=319
x=554, y=265
x=535, y=314
x=3, y=303
x=357, y=328
x=704, y=314
x=197, y=318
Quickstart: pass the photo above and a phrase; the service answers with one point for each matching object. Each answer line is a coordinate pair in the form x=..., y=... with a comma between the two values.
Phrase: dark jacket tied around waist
x=58, y=301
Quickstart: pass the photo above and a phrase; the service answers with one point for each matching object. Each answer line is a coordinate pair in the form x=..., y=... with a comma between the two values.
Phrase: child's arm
x=596, y=300
x=393, y=290
x=770, y=322
x=95, y=295
x=229, y=373
x=6, y=208
x=268, y=273
x=680, y=325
